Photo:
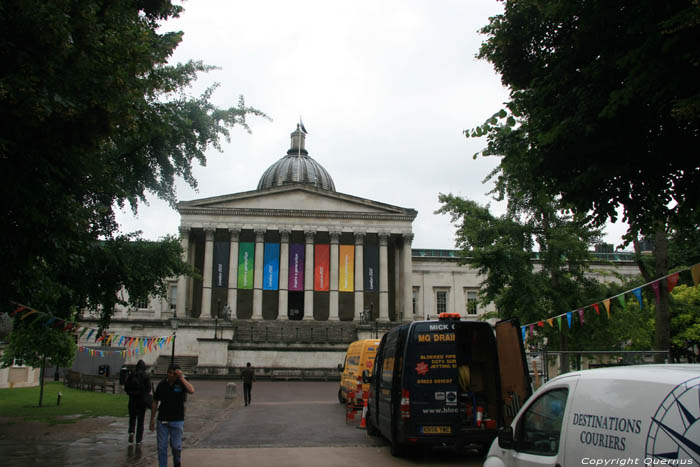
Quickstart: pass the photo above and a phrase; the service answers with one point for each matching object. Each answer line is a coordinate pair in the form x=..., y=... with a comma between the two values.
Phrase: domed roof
x=296, y=167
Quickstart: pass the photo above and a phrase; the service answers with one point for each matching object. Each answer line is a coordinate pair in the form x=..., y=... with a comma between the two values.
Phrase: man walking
x=169, y=400
x=248, y=376
x=138, y=387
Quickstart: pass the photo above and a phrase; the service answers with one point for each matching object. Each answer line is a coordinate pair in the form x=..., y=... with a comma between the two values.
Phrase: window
x=142, y=303
x=415, y=299
x=173, y=296
x=18, y=362
x=471, y=302
x=441, y=301
x=539, y=429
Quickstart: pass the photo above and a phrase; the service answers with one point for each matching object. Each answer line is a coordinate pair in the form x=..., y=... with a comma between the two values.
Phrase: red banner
x=322, y=270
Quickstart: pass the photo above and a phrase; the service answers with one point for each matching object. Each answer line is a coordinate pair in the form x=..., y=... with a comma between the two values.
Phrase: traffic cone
x=363, y=423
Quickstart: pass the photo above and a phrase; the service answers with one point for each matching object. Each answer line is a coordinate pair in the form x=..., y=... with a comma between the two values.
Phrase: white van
x=631, y=415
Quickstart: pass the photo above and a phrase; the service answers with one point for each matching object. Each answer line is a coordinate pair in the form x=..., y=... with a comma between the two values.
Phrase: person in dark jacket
x=138, y=387
x=248, y=376
x=169, y=401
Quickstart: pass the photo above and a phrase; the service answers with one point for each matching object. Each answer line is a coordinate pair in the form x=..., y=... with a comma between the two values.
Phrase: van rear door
x=516, y=387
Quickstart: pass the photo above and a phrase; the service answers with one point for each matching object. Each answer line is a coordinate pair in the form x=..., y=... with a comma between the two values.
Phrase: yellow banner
x=346, y=268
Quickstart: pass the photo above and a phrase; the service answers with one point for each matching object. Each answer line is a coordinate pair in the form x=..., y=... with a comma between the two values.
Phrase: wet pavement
x=103, y=441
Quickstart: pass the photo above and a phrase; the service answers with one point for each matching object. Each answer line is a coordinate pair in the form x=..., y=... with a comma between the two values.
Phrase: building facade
x=293, y=271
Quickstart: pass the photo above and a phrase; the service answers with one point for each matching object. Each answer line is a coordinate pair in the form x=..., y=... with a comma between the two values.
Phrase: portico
x=296, y=249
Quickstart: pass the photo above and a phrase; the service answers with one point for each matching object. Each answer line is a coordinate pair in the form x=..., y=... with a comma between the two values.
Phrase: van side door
x=516, y=387
x=385, y=381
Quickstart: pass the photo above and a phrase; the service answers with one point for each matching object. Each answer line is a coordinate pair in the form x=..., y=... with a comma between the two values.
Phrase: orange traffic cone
x=363, y=423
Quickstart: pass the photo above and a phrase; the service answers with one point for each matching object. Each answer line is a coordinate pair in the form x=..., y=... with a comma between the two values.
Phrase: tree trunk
x=41, y=380
x=563, y=357
x=662, y=340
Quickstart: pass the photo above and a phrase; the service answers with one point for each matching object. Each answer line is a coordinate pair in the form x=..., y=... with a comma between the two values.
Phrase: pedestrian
x=248, y=376
x=138, y=387
x=169, y=401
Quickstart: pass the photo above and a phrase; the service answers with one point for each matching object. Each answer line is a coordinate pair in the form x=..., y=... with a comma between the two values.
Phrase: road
x=300, y=424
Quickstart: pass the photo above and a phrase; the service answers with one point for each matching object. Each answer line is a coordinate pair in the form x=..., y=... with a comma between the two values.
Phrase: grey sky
x=385, y=89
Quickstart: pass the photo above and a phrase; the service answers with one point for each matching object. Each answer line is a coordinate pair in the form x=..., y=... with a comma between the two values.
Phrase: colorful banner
x=371, y=272
x=271, y=270
x=322, y=276
x=346, y=268
x=220, y=272
x=296, y=267
x=246, y=264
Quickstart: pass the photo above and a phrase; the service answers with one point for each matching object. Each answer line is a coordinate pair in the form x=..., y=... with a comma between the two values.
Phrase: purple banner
x=296, y=266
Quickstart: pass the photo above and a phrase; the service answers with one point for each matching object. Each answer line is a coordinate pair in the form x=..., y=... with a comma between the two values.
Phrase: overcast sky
x=385, y=89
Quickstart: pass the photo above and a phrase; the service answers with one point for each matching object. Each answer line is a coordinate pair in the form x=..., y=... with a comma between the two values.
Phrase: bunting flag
x=580, y=315
x=531, y=330
x=606, y=302
x=623, y=303
x=655, y=287
x=597, y=310
x=672, y=281
x=540, y=324
x=559, y=322
x=638, y=293
x=568, y=319
x=522, y=330
x=549, y=321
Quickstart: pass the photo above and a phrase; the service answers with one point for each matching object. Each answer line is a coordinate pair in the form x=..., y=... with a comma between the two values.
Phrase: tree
x=685, y=320
x=92, y=118
x=604, y=104
x=503, y=250
x=33, y=343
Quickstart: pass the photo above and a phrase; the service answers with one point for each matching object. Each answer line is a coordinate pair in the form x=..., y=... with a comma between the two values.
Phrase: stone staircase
x=187, y=364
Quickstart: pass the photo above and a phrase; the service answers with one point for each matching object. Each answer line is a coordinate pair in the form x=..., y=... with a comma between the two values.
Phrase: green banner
x=246, y=264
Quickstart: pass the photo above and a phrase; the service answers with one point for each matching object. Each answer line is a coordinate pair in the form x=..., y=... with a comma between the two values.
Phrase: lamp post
x=173, y=325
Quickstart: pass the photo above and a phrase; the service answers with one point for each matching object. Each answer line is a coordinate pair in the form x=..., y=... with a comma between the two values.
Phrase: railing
x=290, y=333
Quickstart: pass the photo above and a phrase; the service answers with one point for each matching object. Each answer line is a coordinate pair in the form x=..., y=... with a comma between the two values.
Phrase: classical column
x=406, y=277
x=181, y=303
x=284, y=275
x=309, y=276
x=258, y=274
x=333, y=303
x=397, y=284
x=383, y=277
x=232, y=299
x=359, y=280
x=207, y=272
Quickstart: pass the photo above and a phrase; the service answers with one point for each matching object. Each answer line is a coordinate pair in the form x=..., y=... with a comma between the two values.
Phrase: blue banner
x=271, y=271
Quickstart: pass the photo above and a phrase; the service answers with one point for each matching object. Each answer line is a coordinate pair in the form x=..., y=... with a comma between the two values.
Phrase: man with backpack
x=138, y=387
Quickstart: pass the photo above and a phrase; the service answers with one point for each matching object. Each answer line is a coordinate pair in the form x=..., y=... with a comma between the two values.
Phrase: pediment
x=296, y=198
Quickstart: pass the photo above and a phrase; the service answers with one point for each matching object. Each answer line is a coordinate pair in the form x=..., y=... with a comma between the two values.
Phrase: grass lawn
x=24, y=403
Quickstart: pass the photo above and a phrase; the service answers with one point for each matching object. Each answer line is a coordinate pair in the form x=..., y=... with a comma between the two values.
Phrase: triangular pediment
x=296, y=198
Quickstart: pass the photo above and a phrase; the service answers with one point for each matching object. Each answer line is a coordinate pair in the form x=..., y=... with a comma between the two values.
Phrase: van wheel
x=397, y=449
x=371, y=429
x=340, y=396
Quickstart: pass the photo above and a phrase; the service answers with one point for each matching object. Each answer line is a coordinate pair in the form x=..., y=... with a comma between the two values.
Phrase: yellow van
x=359, y=357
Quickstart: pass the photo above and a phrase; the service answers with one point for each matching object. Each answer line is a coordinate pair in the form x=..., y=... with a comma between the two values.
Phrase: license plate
x=430, y=430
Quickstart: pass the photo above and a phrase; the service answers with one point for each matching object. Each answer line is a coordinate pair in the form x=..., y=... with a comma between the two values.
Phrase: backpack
x=133, y=385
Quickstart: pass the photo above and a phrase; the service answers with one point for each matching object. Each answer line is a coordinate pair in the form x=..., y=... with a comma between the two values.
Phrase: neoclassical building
x=293, y=271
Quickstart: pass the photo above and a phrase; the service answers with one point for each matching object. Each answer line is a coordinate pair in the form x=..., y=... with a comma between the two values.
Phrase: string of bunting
x=671, y=282
x=135, y=345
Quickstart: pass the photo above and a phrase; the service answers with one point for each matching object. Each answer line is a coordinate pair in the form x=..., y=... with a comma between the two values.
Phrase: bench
x=93, y=382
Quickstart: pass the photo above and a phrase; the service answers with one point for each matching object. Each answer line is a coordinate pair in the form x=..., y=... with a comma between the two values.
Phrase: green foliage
x=21, y=403
x=93, y=118
x=33, y=341
x=685, y=319
x=603, y=104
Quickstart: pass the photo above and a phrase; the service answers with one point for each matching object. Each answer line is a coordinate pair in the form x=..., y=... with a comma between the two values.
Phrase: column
x=206, y=273
x=181, y=304
x=406, y=277
x=258, y=273
x=282, y=312
x=383, y=277
x=232, y=299
x=333, y=303
x=397, y=284
x=309, y=276
x=359, y=280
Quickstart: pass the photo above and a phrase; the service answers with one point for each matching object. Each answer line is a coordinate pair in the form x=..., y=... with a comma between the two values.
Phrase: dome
x=296, y=167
